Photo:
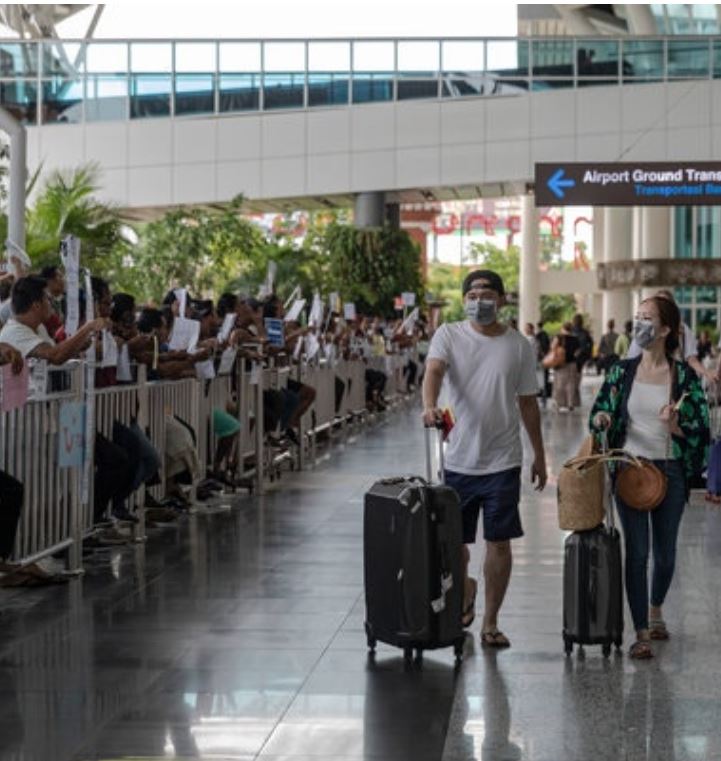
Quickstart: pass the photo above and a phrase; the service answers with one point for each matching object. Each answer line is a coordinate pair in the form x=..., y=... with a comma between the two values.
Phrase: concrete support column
x=637, y=250
x=655, y=237
x=576, y=21
x=596, y=306
x=529, y=291
x=640, y=19
x=656, y=232
x=18, y=160
x=369, y=209
x=617, y=245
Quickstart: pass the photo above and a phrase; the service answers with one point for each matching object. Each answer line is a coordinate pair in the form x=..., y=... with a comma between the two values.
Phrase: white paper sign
x=409, y=299
x=267, y=288
x=185, y=335
x=316, y=312
x=227, y=327
x=18, y=261
x=38, y=379
x=298, y=348
x=70, y=257
x=89, y=307
x=205, y=370
x=295, y=294
x=410, y=322
x=227, y=360
x=349, y=311
x=312, y=345
x=110, y=350
x=124, y=373
x=294, y=312
x=334, y=302
x=182, y=295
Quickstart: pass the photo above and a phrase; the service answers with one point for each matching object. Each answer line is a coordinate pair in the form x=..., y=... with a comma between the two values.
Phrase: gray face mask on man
x=482, y=311
x=644, y=332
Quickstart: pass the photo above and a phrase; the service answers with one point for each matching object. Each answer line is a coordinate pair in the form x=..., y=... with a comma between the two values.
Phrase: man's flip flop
x=494, y=638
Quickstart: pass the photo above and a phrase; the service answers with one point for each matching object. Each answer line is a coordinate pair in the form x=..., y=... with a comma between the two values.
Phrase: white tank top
x=647, y=434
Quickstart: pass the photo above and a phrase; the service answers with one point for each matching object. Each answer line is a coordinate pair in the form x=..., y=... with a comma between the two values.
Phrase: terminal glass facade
x=66, y=81
x=697, y=235
x=686, y=18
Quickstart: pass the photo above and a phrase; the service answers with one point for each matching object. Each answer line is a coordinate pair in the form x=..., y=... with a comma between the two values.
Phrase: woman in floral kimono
x=653, y=407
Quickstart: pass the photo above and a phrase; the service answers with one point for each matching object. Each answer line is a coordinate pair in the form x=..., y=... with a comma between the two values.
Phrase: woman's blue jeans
x=664, y=524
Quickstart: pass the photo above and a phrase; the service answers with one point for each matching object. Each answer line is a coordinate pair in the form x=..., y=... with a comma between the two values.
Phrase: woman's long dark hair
x=670, y=318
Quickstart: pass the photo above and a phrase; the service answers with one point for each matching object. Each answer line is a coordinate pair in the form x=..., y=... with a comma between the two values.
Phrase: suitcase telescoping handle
x=607, y=487
x=435, y=432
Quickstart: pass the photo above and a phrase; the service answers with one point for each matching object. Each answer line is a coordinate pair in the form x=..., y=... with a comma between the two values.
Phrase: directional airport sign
x=685, y=183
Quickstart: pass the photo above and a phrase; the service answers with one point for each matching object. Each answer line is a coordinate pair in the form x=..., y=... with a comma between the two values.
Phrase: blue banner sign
x=274, y=331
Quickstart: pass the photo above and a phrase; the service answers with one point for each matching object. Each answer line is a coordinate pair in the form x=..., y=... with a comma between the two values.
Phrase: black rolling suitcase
x=593, y=586
x=412, y=540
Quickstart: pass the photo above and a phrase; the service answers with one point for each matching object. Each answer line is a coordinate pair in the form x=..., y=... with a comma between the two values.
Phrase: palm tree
x=67, y=206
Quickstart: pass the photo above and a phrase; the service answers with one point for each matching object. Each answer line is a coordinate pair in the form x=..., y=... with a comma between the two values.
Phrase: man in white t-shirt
x=26, y=332
x=490, y=372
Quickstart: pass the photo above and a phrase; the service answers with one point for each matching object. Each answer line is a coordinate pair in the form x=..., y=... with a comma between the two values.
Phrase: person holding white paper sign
x=26, y=331
x=163, y=363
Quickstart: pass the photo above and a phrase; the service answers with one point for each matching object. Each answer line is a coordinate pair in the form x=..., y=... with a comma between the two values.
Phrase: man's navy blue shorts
x=498, y=495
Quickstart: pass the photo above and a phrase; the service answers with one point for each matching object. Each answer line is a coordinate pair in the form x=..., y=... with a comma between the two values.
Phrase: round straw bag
x=641, y=485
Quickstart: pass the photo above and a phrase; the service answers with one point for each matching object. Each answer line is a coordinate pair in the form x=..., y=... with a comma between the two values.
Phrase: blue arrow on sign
x=557, y=183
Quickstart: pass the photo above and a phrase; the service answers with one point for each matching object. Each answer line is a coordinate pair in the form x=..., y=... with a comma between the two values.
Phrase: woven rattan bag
x=581, y=493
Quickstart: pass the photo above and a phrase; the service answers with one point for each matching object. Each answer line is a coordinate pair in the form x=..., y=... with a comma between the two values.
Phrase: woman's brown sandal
x=657, y=629
x=641, y=650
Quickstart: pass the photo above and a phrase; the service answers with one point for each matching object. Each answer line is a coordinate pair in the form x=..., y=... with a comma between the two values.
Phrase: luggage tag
x=446, y=424
x=439, y=604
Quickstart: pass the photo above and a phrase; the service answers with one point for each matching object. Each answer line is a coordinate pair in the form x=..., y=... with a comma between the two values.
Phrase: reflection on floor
x=239, y=636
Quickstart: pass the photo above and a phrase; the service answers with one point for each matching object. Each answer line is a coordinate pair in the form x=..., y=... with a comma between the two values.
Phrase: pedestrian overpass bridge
x=310, y=123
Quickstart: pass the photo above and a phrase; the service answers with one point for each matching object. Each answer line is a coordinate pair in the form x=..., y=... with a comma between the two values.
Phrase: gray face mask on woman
x=644, y=332
x=482, y=311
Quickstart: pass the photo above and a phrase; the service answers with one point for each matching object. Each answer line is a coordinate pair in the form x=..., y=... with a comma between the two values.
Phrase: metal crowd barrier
x=55, y=516
x=29, y=451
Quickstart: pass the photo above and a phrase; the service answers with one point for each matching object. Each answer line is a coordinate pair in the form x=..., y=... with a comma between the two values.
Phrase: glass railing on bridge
x=65, y=81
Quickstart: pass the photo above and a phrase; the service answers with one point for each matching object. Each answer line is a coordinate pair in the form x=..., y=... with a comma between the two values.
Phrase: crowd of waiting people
x=33, y=316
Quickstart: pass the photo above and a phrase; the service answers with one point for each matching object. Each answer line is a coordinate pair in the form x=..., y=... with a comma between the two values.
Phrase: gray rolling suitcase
x=593, y=586
x=412, y=540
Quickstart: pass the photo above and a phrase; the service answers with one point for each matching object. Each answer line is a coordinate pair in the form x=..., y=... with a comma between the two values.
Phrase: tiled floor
x=239, y=636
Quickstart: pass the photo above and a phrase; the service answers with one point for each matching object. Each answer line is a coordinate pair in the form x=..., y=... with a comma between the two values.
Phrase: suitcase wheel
x=370, y=638
x=458, y=649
